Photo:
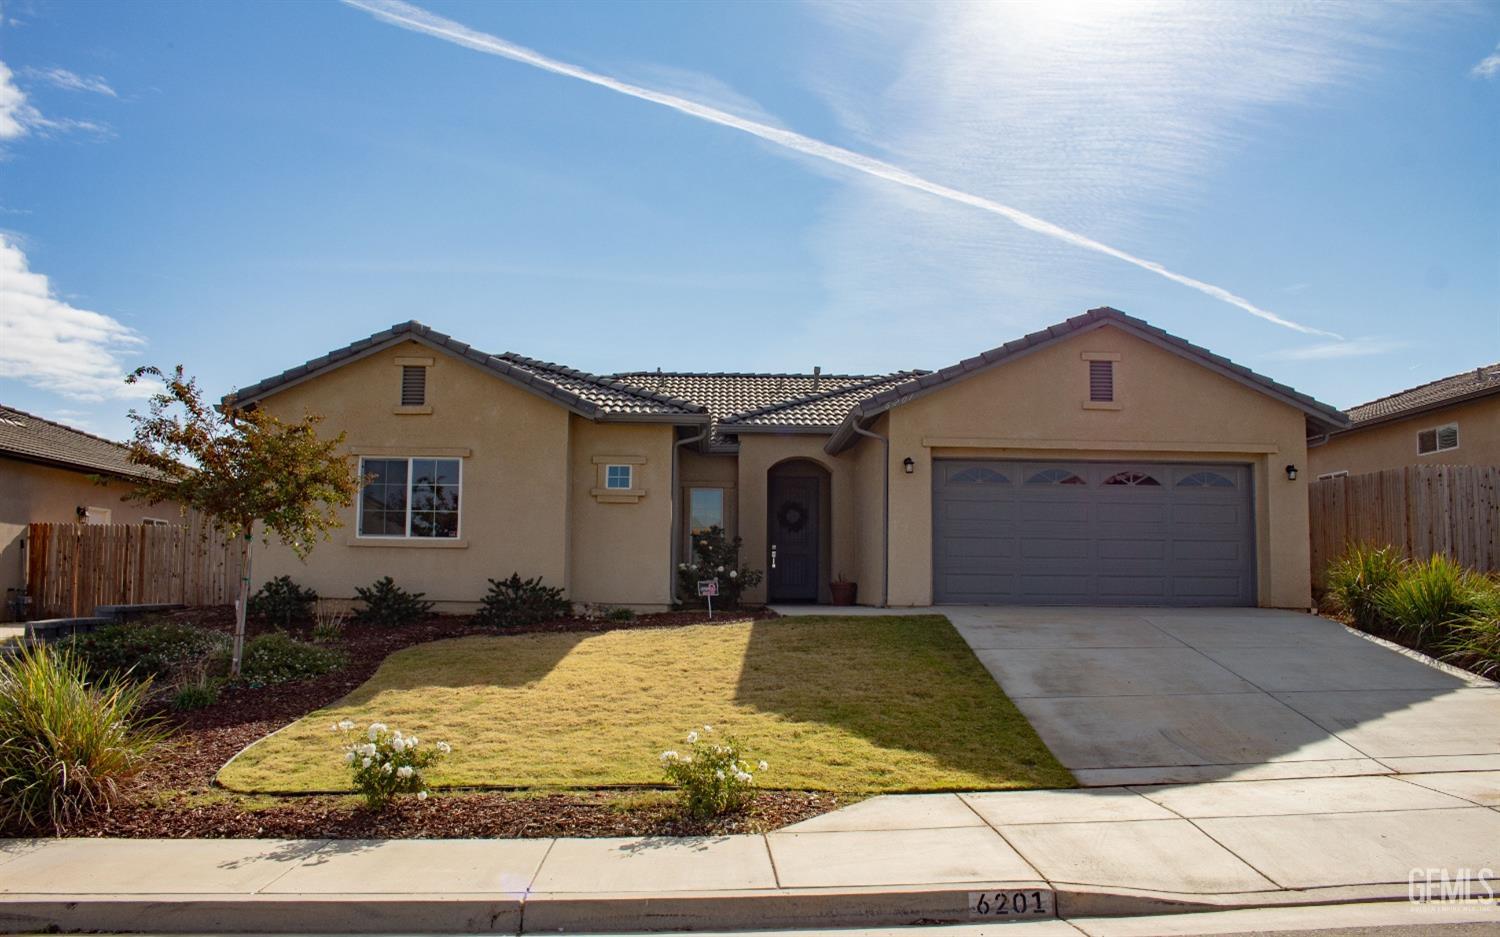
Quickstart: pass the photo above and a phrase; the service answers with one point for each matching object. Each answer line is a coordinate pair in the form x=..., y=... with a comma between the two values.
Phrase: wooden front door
x=793, y=526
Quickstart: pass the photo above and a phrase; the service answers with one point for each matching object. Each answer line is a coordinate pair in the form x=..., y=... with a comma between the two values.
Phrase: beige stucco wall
x=619, y=549
x=1394, y=444
x=1170, y=410
x=758, y=453
x=514, y=500
x=869, y=514
x=44, y=494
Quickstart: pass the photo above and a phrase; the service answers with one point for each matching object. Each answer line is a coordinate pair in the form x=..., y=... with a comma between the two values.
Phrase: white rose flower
x=669, y=756
x=444, y=747
x=763, y=766
x=734, y=574
x=708, y=728
x=412, y=742
x=348, y=758
x=719, y=775
x=375, y=729
x=404, y=772
x=386, y=768
x=398, y=745
x=345, y=724
x=365, y=763
x=421, y=795
x=692, y=738
x=721, y=569
x=742, y=777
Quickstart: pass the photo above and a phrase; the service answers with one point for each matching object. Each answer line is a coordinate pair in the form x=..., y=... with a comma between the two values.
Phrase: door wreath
x=792, y=517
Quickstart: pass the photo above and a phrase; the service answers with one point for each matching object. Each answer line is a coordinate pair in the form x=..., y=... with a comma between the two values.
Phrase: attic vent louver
x=1101, y=381
x=413, y=385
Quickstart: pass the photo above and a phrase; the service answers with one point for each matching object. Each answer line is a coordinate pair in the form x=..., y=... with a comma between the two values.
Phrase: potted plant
x=843, y=591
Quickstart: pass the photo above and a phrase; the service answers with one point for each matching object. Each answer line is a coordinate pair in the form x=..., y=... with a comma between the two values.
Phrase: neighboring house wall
x=1393, y=444
x=514, y=499
x=1170, y=410
x=620, y=542
x=39, y=493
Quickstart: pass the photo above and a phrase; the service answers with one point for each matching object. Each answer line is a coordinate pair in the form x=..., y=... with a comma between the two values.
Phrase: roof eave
x=1352, y=426
x=71, y=466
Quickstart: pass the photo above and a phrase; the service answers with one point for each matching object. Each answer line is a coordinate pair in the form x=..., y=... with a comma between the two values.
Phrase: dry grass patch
x=877, y=704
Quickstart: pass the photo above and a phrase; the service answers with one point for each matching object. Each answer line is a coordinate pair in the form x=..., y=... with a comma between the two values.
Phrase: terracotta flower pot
x=843, y=593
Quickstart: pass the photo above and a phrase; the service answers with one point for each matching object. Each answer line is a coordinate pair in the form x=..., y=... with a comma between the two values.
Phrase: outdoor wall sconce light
x=908, y=465
x=82, y=512
x=1291, y=473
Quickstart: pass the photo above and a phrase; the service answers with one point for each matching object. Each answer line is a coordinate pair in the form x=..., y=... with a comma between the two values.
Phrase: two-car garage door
x=1092, y=533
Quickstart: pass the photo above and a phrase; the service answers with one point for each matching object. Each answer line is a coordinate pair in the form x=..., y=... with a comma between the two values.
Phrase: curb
x=502, y=913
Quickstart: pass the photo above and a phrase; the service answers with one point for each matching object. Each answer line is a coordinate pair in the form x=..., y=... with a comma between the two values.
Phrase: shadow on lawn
x=908, y=683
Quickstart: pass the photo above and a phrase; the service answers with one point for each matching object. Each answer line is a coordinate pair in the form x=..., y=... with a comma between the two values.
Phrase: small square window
x=1437, y=439
x=618, y=477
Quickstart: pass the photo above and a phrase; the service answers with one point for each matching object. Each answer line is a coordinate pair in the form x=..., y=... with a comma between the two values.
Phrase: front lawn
x=876, y=704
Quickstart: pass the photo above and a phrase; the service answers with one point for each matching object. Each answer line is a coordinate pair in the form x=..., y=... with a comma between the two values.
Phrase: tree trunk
x=240, y=608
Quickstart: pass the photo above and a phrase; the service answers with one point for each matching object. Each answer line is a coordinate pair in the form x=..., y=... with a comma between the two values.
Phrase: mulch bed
x=175, y=796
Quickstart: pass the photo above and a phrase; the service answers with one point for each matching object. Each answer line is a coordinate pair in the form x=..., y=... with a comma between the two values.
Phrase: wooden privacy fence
x=1421, y=510
x=71, y=568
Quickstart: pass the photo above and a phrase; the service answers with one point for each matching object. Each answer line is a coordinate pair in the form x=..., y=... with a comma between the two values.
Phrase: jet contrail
x=415, y=18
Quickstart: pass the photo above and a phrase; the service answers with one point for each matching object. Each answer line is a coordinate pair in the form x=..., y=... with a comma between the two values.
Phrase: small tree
x=239, y=467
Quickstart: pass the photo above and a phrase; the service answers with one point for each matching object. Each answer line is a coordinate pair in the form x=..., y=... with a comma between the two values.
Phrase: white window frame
x=359, y=508
x=609, y=485
x=1437, y=438
x=92, y=513
x=1341, y=473
x=156, y=522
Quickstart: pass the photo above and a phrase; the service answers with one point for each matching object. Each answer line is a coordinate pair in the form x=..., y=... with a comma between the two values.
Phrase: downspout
x=885, y=516
x=676, y=503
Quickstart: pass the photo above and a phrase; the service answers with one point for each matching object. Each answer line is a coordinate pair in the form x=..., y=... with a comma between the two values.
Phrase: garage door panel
x=1080, y=533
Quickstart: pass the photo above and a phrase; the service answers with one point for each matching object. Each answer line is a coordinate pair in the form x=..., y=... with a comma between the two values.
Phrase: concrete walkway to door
x=1171, y=695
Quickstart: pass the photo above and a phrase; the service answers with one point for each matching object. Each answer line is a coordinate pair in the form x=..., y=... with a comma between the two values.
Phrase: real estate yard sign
x=708, y=588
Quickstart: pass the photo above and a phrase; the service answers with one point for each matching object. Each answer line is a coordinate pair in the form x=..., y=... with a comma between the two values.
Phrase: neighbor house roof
x=591, y=396
x=27, y=436
x=738, y=400
x=1461, y=387
x=1319, y=414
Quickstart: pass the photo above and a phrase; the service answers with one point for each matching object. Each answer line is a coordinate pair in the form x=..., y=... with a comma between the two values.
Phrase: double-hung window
x=412, y=497
x=1437, y=439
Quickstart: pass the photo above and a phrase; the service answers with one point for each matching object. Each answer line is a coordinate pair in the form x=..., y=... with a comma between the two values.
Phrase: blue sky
x=241, y=187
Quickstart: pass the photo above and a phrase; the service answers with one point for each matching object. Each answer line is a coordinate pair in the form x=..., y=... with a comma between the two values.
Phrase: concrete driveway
x=1152, y=696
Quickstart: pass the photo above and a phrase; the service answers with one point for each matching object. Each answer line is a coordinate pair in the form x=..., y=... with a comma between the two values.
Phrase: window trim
x=359, y=513
x=155, y=522
x=1341, y=473
x=1437, y=438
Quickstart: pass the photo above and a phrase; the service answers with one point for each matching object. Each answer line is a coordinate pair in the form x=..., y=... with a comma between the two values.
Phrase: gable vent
x=1101, y=381
x=413, y=385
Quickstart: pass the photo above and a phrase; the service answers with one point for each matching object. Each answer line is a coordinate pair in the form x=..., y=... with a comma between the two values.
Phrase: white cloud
x=71, y=81
x=1352, y=348
x=1488, y=67
x=18, y=117
x=48, y=343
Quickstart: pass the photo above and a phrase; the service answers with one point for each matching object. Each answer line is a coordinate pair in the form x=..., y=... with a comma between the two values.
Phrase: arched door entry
x=794, y=530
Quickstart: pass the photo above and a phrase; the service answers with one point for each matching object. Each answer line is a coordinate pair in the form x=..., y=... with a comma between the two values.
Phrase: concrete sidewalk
x=886, y=861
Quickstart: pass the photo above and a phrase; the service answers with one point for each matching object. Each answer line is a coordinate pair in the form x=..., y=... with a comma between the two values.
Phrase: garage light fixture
x=1291, y=473
x=909, y=465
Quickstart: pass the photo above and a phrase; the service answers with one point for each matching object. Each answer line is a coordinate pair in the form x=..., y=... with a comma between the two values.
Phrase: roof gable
x=1321, y=415
x=588, y=395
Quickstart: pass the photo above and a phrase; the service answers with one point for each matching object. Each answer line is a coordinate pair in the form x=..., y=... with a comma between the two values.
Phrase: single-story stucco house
x=1452, y=421
x=51, y=473
x=1099, y=461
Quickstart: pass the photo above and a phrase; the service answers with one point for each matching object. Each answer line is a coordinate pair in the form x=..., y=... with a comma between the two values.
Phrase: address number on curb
x=1010, y=904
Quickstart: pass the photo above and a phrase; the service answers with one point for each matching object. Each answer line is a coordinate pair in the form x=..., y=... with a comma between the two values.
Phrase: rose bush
x=384, y=763
x=712, y=777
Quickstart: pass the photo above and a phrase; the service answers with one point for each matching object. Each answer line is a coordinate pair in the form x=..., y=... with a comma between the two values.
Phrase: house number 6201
x=1006, y=903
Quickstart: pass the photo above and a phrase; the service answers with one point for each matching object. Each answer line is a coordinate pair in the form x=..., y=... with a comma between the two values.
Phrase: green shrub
x=1355, y=580
x=279, y=658
x=716, y=557
x=67, y=741
x=620, y=613
x=192, y=696
x=281, y=602
x=1474, y=643
x=386, y=603
x=1428, y=598
x=711, y=778
x=384, y=763
x=148, y=649
x=516, y=602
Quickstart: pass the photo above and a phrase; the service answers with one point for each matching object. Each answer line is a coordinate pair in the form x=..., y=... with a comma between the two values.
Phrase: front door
x=793, y=526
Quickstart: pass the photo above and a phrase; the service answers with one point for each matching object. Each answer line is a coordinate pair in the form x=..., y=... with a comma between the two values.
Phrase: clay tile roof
x=1478, y=382
x=587, y=394
x=26, y=436
x=734, y=396
x=823, y=410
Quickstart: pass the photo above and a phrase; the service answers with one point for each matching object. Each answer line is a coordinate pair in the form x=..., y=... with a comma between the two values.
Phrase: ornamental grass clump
x=712, y=778
x=384, y=763
x=1357, y=579
x=1428, y=598
x=67, y=741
